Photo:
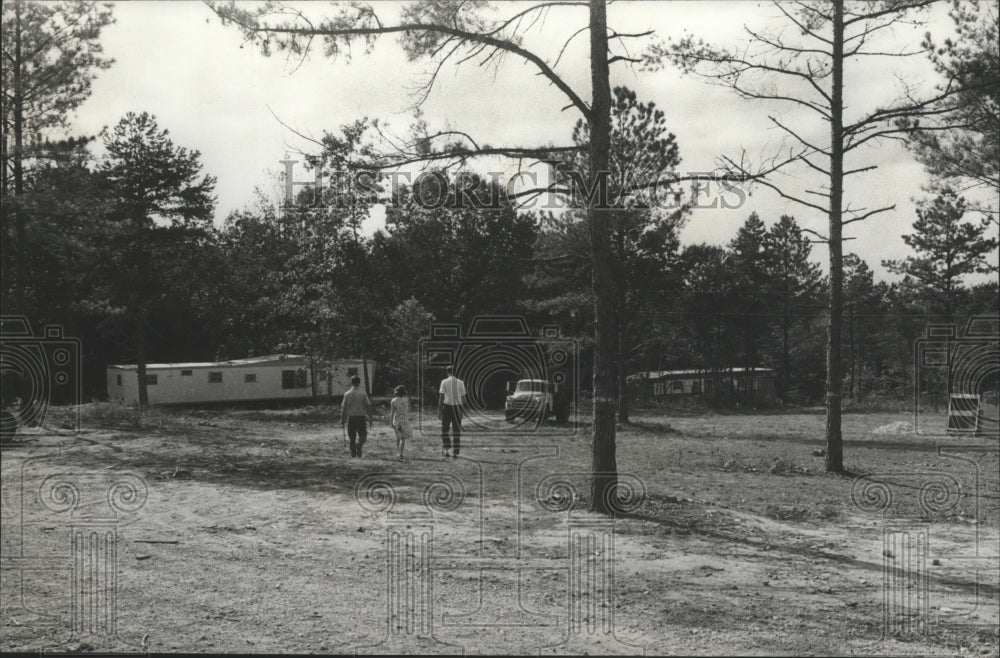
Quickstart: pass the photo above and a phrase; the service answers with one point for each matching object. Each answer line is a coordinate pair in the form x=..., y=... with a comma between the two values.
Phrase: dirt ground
x=253, y=531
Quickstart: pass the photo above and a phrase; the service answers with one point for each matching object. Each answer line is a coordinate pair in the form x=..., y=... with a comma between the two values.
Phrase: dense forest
x=121, y=250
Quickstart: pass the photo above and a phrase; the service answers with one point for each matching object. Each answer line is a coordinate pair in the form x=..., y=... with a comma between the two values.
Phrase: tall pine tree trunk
x=20, y=245
x=623, y=392
x=140, y=355
x=312, y=376
x=785, y=321
x=851, y=350
x=604, y=467
x=364, y=366
x=834, y=439
x=140, y=309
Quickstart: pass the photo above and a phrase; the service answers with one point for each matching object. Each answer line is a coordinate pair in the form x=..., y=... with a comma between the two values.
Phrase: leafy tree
x=559, y=283
x=256, y=252
x=160, y=199
x=457, y=245
x=51, y=53
x=408, y=323
x=947, y=249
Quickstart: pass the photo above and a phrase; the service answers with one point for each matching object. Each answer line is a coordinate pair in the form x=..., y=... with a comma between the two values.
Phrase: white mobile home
x=273, y=377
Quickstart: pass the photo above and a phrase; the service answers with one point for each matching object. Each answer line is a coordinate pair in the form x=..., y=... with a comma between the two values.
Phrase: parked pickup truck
x=537, y=400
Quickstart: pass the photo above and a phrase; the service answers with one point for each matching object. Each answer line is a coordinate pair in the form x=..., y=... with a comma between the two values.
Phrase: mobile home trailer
x=272, y=377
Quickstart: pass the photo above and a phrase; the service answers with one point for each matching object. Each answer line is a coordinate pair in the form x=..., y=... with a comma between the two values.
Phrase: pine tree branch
x=229, y=13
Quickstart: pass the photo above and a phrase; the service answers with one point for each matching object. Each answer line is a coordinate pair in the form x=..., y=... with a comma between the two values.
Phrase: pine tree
x=795, y=285
x=51, y=53
x=159, y=200
x=947, y=249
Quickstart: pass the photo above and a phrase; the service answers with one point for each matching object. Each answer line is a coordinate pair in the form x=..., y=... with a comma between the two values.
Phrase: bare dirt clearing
x=257, y=533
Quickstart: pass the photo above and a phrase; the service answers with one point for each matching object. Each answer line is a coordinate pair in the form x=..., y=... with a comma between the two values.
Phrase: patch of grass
x=828, y=513
x=774, y=466
x=105, y=414
x=787, y=512
x=122, y=416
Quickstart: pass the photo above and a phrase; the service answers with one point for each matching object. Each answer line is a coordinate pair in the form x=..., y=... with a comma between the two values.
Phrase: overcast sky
x=219, y=95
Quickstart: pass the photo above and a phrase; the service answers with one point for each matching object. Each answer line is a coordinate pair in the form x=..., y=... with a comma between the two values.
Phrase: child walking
x=399, y=418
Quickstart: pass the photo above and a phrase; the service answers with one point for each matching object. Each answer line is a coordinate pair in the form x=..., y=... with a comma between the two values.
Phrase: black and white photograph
x=496, y=327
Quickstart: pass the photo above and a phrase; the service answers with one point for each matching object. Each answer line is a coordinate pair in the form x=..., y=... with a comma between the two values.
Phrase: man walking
x=451, y=396
x=355, y=412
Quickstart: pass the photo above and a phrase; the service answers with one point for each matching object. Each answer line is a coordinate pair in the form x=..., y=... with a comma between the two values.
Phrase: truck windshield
x=531, y=387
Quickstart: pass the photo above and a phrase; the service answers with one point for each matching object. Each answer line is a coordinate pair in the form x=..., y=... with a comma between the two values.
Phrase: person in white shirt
x=354, y=411
x=451, y=396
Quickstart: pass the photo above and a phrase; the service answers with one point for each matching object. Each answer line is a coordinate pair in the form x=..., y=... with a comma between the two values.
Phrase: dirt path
x=260, y=535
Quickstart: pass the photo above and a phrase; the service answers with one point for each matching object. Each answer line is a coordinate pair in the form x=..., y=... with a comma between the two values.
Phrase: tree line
x=126, y=258
x=123, y=252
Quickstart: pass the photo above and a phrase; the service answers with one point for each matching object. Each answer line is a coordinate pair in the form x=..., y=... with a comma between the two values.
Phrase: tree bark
x=312, y=376
x=623, y=392
x=140, y=357
x=834, y=439
x=851, y=350
x=785, y=321
x=140, y=309
x=604, y=468
x=20, y=247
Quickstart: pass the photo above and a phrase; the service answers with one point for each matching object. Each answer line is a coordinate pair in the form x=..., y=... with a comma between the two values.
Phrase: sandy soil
x=253, y=531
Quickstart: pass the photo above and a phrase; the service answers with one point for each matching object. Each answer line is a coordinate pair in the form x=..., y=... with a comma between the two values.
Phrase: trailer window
x=186, y=373
x=293, y=378
x=678, y=386
x=250, y=378
x=351, y=372
x=215, y=377
x=151, y=380
x=118, y=379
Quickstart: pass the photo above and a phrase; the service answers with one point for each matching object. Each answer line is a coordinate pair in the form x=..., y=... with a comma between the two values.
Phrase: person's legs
x=445, y=422
x=456, y=430
x=362, y=432
x=400, y=440
x=352, y=435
